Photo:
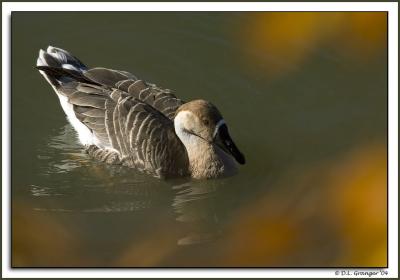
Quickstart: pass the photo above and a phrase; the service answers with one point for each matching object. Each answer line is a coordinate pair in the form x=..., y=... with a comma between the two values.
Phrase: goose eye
x=206, y=122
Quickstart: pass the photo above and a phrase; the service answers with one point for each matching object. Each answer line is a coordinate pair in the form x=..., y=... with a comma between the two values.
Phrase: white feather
x=85, y=136
x=69, y=67
x=217, y=126
x=189, y=140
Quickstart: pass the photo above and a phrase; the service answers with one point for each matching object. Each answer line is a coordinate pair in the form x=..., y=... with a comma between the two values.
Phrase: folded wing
x=141, y=136
x=130, y=120
x=160, y=99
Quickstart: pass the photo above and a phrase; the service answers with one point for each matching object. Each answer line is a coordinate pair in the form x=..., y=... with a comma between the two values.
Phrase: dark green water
x=69, y=210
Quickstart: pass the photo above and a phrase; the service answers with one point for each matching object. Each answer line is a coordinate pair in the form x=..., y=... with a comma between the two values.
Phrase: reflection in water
x=118, y=206
x=101, y=189
x=44, y=191
x=64, y=144
x=195, y=205
x=109, y=189
x=86, y=185
x=119, y=189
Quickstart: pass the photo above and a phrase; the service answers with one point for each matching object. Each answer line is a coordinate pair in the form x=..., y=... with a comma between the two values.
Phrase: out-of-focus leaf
x=284, y=41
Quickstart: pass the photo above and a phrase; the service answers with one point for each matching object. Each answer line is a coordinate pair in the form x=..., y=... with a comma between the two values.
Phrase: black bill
x=225, y=142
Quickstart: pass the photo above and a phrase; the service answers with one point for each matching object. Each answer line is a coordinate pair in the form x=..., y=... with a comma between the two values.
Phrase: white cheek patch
x=180, y=123
x=217, y=126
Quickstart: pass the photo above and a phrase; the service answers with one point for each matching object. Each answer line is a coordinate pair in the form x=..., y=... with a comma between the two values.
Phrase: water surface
x=305, y=99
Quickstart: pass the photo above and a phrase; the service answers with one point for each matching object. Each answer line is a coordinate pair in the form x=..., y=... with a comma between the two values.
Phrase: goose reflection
x=78, y=186
x=69, y=181
x=195, y=206
x=60, y=152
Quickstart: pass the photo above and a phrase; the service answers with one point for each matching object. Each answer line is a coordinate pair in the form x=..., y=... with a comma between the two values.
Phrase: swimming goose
x=121, y=119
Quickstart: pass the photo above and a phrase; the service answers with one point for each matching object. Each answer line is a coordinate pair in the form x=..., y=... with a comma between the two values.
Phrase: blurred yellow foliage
x=150, y=251
x=289, y=38
x=360, y=211
x=340, y=223
x=41, y=240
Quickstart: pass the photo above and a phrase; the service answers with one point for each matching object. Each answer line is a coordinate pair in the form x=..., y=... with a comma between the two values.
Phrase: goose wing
x=143, y=137
x=160, y=99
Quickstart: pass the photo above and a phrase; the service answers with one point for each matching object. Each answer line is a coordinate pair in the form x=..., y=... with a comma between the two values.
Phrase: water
x=296, y=111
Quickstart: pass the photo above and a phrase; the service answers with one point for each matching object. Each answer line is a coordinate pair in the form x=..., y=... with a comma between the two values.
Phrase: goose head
x=199, y=121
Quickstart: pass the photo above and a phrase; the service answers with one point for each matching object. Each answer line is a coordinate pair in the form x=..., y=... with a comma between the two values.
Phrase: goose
x=120, y=119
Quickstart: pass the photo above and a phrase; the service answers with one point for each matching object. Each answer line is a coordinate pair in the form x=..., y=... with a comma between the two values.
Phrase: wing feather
x=107, y=77
x=160, y=99
x=132, y=121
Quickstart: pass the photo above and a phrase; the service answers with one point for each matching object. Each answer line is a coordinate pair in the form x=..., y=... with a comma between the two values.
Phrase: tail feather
x=59, y=66
x=63, y=75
